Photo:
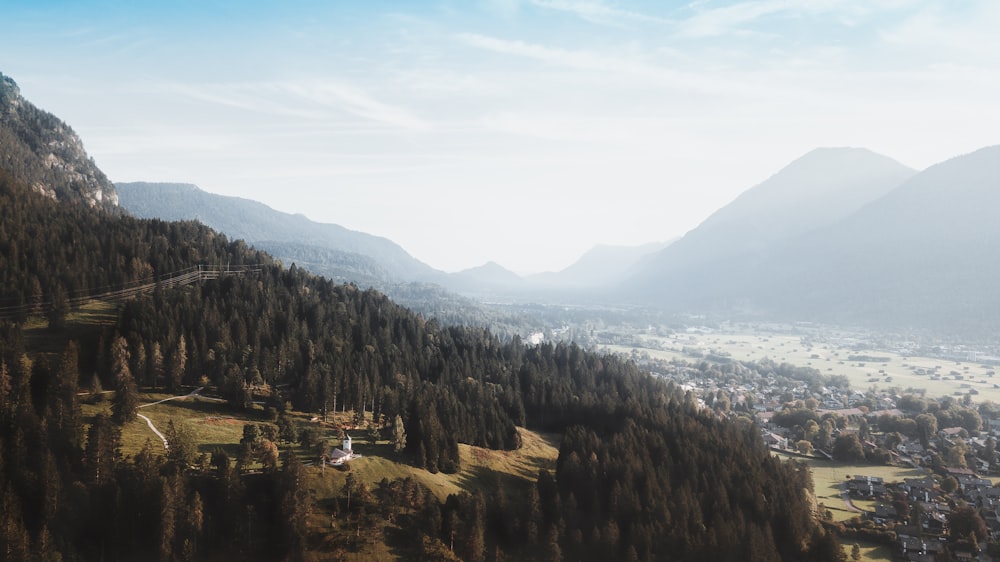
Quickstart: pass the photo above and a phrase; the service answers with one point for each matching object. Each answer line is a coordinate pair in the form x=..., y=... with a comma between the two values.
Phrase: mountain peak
x=44, y=153
x=818, y=189
x=9, y=92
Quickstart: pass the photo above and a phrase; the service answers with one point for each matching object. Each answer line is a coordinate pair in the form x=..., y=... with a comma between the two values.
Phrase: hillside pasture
x=210, y=423
x=481, y=468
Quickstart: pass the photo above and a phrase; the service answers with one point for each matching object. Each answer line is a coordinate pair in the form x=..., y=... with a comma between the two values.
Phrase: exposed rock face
x=38, y=148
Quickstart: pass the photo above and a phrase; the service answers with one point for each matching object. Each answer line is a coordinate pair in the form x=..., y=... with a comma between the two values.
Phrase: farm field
x=897, y=371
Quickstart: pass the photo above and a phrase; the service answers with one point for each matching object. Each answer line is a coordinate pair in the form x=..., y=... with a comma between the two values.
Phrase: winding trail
x=149, y=422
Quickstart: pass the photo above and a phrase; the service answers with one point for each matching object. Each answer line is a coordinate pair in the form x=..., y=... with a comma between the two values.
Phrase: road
x=846, y=496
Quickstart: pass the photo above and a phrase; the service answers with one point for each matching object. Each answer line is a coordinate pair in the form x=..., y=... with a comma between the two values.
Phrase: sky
x=518, y=131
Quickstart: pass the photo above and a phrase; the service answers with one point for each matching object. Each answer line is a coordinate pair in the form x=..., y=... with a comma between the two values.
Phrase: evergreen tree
x=295, y=502
x=155, y=361
x=398, y=435
x=178, y=363
x=180, y=447
x=102, y=451
x=125, y=405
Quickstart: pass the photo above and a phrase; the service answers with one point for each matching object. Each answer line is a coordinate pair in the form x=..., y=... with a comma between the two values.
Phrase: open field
x=210, y=424
x=899, y=371
x=827, y=476
x=869, y=551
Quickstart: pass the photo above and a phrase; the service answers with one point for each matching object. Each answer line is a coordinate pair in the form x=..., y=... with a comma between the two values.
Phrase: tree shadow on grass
x=209, y=407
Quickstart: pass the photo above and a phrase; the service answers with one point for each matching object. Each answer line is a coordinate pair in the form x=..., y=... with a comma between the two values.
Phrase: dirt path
x=180, y=397
x=149, y=422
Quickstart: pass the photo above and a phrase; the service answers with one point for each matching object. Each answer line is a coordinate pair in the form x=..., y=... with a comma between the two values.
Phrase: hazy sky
x=523, y=132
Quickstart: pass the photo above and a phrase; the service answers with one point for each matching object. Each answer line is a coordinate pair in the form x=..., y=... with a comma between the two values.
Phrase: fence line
x=187, y=276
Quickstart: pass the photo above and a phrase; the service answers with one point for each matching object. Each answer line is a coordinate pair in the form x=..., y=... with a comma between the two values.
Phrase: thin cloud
x=244, y=96
x=340, y=95
x=723, y=21
x=740, y=17
x=609, y=64
x=599, y=12
x=967, y=38
x=309, y=100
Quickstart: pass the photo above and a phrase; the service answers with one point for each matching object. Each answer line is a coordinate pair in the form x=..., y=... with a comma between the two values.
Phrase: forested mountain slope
x=328, y=250
x=643, y=473
x=335, y=345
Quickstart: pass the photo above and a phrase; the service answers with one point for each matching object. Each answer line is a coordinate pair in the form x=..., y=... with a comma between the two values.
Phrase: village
x=946, y=508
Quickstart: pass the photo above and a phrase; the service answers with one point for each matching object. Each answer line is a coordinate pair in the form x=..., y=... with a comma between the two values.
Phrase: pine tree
x=125, y=405
x=294, y=504
x=398, y=435
x=168, y=510
x=102, y=450
x=178, y=363
x=14, y=540
x=155, y=368
x=180, y=448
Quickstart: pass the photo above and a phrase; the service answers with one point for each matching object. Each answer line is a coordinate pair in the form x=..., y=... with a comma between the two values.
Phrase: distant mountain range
x=845, y=236
x=351, y=256
x=335, y=251
x=841, y=235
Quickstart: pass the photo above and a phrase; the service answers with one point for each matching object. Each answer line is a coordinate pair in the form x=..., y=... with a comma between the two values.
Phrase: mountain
x=489, y=278
x=922, y=256
x=329, y=249
x=600, y=266
x=42, y=151
x=818, y=189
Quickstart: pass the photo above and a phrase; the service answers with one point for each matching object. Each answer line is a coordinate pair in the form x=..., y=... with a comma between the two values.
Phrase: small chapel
x=345, y=453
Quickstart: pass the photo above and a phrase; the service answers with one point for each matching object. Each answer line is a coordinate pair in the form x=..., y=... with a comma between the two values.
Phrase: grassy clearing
x=869, y=551
x=209, y=422
x=827, y=476
x=82, y=325
x=481, y=468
